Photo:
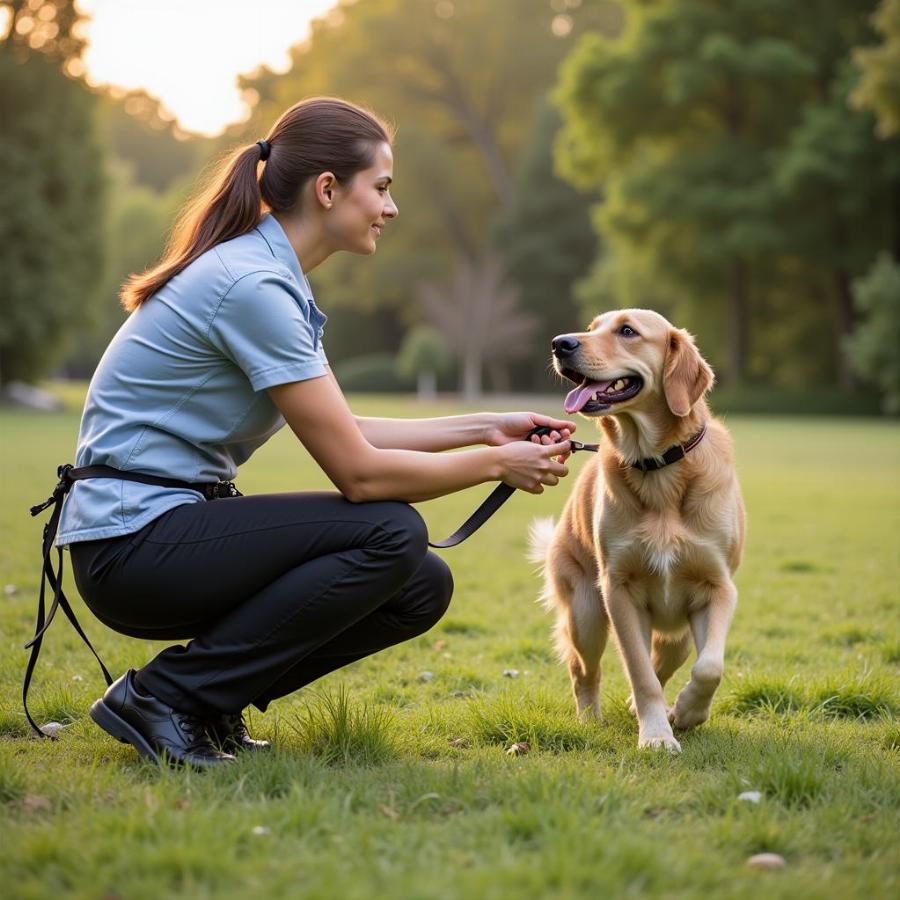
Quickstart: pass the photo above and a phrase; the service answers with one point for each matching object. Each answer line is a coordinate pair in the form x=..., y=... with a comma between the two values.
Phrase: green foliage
x=423, y=350
x=51, y=212
x=734, y=176
x=371, y=373
x=48, y=27
x=461, y=85
x=875, y=345
x=546, y=242
x=142, y=136
x=879, y=88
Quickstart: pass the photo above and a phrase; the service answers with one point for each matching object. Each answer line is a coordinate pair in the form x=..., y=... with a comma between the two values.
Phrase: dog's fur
x=653, y=554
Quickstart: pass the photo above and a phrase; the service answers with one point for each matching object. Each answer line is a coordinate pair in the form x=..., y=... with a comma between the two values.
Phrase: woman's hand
x=504, y=428
x=530, y=465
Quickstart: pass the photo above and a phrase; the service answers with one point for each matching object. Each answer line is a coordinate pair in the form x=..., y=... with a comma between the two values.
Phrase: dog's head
x=628, y=359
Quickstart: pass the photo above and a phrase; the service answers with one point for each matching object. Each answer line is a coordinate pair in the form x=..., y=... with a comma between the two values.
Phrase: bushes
x=372, y=373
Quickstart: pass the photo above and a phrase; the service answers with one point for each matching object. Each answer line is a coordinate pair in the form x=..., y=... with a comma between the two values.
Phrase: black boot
x=154, y=728
x=229, y=732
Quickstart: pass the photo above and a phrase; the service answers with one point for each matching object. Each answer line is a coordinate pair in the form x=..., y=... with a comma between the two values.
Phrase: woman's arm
x=318, y=414
x=452, y=432
x=430, y=435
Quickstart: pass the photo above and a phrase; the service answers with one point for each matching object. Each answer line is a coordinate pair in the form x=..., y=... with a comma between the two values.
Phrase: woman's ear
x=686, y=374
x=324, y=189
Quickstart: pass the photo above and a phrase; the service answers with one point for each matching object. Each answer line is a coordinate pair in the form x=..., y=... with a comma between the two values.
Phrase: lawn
x=391, y=777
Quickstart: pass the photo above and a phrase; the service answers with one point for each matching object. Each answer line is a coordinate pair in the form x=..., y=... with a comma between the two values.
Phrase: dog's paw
x=683, y=716
x=589, y=712
x=632, y=706
x=659, y=742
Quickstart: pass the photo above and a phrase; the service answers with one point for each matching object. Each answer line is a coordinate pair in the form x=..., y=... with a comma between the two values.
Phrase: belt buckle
x=226, y=489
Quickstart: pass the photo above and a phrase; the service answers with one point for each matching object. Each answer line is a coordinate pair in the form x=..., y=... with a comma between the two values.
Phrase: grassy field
x=391, y=783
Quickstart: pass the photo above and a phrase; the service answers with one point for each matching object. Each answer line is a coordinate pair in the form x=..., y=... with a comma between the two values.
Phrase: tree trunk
x=471, y=376
x=426, y=388
x=500, y=377
x=845, y=320
x=738, y=325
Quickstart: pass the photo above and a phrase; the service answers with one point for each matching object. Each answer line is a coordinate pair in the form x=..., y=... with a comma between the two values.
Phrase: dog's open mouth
x=598, y=396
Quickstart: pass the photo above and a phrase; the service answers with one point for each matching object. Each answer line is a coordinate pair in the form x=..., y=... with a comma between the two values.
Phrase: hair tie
x=265, y=148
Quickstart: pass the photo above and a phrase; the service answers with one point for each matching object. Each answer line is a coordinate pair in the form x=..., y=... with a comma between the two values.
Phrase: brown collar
x=673, y=454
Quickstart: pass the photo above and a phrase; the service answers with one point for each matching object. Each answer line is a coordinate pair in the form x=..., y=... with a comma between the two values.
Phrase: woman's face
x=362, y=207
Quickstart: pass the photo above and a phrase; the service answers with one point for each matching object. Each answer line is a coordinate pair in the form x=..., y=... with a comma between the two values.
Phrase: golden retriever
x=651, y=551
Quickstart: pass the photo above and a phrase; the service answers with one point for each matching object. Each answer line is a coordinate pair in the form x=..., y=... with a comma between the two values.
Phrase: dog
x=653, y=532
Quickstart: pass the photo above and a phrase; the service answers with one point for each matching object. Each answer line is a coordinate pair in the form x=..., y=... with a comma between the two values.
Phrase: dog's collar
x=673, y=454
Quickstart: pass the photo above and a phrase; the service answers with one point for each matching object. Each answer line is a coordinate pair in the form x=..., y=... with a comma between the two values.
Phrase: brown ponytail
x=321, y=134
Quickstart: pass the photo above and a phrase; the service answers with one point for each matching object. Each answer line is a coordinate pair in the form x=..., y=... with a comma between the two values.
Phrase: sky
x=188, y=53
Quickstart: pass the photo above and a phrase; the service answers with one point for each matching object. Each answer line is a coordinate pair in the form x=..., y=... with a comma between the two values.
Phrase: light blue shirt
x=180, y=391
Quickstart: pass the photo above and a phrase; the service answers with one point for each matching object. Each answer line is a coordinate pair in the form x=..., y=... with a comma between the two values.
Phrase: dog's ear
x=686, y=374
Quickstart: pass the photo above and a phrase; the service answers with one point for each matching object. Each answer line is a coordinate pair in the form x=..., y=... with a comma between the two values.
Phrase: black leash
x=503, y=492
x=67, y=476
x=497, y=498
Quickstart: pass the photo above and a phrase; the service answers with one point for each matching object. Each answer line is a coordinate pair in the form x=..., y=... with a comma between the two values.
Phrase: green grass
x=385, y=784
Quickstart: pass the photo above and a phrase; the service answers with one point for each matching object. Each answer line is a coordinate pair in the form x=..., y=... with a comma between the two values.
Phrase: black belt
x=68, y=475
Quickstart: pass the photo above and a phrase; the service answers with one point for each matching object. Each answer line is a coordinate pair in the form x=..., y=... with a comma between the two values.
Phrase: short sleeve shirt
x=180, y=391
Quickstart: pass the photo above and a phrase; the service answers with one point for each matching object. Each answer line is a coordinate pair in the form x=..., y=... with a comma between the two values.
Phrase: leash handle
x=488, y=507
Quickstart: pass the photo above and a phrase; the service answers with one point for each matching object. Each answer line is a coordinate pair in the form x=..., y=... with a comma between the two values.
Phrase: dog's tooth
x=619, y=384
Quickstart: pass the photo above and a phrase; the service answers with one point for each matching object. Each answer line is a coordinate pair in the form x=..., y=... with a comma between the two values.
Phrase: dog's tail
x=540, y=536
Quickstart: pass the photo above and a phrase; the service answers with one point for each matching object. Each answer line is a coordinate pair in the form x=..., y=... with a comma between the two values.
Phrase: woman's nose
x=391, y=211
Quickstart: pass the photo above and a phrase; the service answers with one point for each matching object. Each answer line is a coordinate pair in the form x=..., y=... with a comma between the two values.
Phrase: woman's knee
x=403, y=531
x=439, y=579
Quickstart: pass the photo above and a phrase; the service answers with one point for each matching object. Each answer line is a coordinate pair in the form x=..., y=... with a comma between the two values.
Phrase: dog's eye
x=628, y=331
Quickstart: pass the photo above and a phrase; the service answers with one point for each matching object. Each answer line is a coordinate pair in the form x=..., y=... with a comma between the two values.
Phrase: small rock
x=52, y=729
x=766, y=861
x=425, y=676
x=518, y=749
x=750, y=796
x=10, y=590
x=77, y=678
x=510, y=673
x=260, y=830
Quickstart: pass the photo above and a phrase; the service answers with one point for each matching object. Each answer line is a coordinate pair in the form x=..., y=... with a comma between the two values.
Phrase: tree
x=460, y=80
x=546, y=241
x=52, y=203
x=879, y=87
x=875, y=345
x=680, y=122
x=678, y=113
x=480, y=319
x=831, y=175
x=424, y=355
x=49, y=27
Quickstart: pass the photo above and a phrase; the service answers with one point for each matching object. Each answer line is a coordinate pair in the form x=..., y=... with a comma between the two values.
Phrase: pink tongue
x=577, y=398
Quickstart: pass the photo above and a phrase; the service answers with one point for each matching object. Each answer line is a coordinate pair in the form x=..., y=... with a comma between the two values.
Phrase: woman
x=223, y=346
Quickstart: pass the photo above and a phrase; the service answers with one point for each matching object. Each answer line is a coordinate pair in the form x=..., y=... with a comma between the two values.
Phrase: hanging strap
x=67, y=476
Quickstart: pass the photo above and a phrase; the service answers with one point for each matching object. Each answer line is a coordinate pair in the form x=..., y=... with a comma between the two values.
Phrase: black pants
x=275, y=590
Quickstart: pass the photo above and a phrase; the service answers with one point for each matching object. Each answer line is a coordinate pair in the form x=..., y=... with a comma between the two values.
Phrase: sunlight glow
x=189, y=55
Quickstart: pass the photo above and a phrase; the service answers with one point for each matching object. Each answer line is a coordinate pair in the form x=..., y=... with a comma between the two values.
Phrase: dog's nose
x=564, y=345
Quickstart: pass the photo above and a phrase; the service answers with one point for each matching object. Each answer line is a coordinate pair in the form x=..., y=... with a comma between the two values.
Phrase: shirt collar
x=273, y=234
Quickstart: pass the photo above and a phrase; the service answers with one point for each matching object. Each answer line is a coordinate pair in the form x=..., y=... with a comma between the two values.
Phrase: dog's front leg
x=709, y=624
x=632, y=627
